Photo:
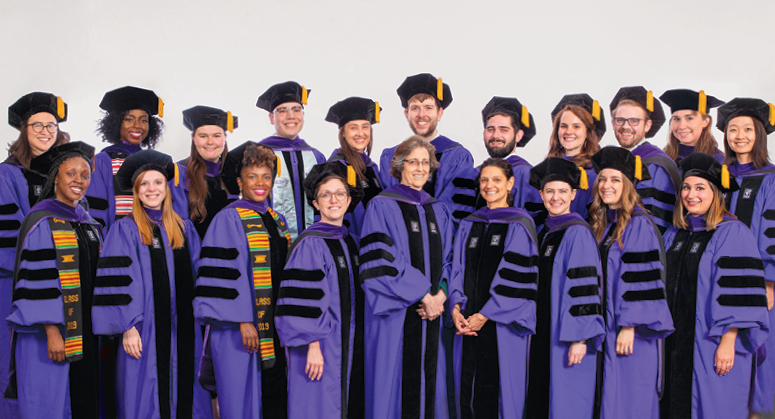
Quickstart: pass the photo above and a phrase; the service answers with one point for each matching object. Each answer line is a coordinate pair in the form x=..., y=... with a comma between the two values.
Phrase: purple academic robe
x=454, y=162
x=658, y=194
x=132, y=289
x=107, y=204
x=288, y=197
x=317, y=303
x=217, y=199
x=353, y=219
x=224, y=299
x=17, y=188
x=569, y=310
x=584, y=197
x=715, y=282
x=406, y=252
x=494, y=273
x=45, y=386
x=685, y=150
x=634, y=294
x=754, y=205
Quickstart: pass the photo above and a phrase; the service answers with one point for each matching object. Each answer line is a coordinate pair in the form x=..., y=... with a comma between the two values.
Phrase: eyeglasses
x=326, y=196
x=417, y=163
x=38, y=127
x=634, y=122
x=294, y=110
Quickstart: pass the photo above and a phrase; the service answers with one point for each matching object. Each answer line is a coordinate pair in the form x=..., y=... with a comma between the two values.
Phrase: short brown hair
x=422, y=97
x=405, y=149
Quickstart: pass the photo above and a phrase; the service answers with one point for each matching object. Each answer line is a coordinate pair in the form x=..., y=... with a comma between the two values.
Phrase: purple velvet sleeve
x=100, y=195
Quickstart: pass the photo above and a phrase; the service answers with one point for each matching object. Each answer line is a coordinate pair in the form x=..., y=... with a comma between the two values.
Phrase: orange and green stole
x=66, y=247
x=258, y=242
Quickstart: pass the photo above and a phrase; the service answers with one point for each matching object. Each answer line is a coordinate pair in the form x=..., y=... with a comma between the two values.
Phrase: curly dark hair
x=109, y=127
x=259, y=155
x=505, y=167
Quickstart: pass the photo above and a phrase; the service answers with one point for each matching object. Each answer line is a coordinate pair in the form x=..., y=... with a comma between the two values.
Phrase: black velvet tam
x=130, y=97
x=621, y=159
x=685, y=99
x=553, y=169
x=49, y=161
x=424, y=83
x=707, y=167
x=590, y=105
x=198, y=116
x=141, y=161
x=333, y=168
x=512, y=106
x=644, y=97
x=33, y=103
x=353, y=109
x=280, y=93
x=743, y=106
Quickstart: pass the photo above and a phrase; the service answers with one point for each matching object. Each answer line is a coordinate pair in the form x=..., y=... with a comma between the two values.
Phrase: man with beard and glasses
x=424, y=98
x=508, y=125
x=635, y=115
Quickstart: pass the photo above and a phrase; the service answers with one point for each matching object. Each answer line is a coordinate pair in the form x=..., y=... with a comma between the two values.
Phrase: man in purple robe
x=635, y=115
x=406, y=252
x=424, y=99
x=285, y=103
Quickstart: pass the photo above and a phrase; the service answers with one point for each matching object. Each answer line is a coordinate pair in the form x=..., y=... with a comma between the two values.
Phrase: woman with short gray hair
x=406, y=250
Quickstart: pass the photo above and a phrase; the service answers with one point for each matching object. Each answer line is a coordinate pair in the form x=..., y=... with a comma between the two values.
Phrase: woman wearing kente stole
x=242, y=260
x=144, y=292
x=55, y=356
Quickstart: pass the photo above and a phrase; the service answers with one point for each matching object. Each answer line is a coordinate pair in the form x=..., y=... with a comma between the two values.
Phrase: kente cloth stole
x=123, y=201
x=66, y=245
x=258, y=242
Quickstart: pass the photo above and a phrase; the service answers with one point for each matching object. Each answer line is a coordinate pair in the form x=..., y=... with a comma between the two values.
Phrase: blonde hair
x=597, y=211
x=716, y=212
x=170, y=220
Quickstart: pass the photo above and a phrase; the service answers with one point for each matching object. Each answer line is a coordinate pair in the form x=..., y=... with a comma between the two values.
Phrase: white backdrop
x=226, y=53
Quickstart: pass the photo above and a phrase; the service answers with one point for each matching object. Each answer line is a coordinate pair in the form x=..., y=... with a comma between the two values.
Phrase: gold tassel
x=279, y=170
x=772, y=114
x=525, y=117
x=376, y=112
x=177, y=175
x=304, y=95
x=351, y=176
x=229, y=122
x=584, y=181
x=60, y=108
x=724, y=176
x=439, y=89
x=650, y=101
x=92, y=164
x=638, y=168
x=702, y=106
x=596, y=110
x=161, y=108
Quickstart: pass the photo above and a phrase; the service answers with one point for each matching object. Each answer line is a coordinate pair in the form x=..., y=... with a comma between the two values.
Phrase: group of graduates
x=266, y=281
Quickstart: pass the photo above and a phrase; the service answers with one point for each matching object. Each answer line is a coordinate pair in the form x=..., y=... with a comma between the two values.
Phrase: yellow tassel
x=376, y=112
x=304, y=95
x=161, y=108
x=60, y=108
x=279, y=171
x=439, y=89
x=92, y=164
x=584, y=181
x=350, y=176
x=229, y=122
x=650, y=101
x=702, y=106
x=177, y=175
x=724, y=176
x=596, y=110
x=525, y=117
x=638, y=168
x=772, y=114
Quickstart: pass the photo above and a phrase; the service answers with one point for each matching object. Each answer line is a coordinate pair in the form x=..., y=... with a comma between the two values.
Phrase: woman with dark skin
x=37, y=116
x=241, y=266
x=55, y=353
